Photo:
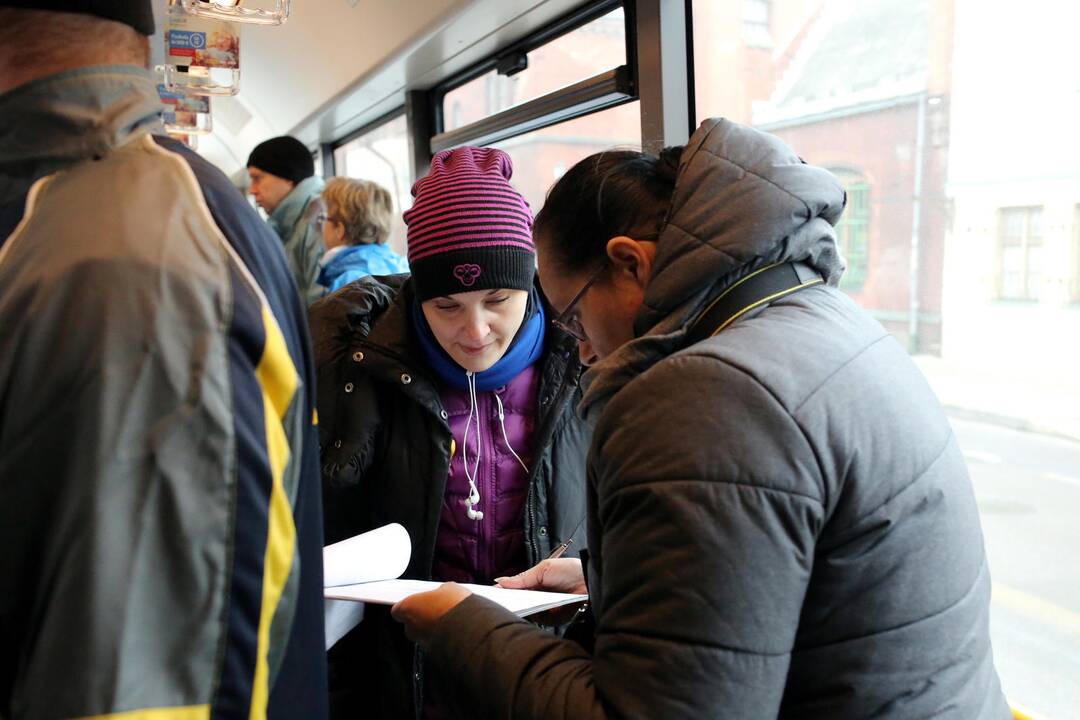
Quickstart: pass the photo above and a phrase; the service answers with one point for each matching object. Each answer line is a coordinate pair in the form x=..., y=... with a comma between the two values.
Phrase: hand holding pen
x=553, y=575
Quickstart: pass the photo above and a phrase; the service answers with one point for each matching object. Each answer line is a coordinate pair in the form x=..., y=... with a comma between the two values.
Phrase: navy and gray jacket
x=159, y=486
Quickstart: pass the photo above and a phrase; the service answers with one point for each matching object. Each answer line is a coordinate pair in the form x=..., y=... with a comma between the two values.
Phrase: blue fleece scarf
x=526, y=349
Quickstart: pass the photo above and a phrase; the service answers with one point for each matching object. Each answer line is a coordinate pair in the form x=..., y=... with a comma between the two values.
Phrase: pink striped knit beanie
x=469, y=229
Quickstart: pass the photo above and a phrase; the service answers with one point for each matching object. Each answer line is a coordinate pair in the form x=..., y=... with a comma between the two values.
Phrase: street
x=1028, y=491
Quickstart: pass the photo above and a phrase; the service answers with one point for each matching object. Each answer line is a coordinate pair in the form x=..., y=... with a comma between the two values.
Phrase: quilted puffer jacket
x=781, y=523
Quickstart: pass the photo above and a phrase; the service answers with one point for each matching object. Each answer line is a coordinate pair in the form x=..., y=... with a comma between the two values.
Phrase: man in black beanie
x=160, y=507
x=284, y=184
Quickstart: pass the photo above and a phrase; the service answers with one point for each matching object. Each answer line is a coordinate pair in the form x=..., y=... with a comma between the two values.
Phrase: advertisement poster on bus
x=184, y=112
x=201, y=42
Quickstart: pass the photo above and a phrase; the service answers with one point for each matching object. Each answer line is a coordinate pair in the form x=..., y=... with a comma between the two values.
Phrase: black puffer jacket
x=386, y=455
x=780, y=520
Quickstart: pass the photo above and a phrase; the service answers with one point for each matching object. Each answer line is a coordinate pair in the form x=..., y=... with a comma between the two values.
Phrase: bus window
x=586, y=51
x=962, y=236
x=381, y=155
x=541, y=157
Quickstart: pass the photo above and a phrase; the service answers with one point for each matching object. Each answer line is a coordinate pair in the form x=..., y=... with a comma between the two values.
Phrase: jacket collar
x=526, y=349
x=391, y=330
x=376, y=314
x=58, y=120
x=292, y=207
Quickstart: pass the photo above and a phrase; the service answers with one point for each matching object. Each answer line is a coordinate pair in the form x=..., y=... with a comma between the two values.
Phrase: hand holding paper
x=363, y=569
x=420, y=613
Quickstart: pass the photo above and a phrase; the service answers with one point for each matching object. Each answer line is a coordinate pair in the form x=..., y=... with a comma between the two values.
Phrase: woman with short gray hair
x=355, y=224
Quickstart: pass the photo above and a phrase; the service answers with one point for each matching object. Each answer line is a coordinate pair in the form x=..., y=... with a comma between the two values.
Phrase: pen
x=560, y=549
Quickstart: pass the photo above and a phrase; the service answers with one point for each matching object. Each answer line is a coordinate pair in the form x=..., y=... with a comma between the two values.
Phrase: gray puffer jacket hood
x=743, y=200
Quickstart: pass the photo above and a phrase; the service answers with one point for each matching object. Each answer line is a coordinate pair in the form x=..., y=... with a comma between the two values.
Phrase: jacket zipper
x=547, y=431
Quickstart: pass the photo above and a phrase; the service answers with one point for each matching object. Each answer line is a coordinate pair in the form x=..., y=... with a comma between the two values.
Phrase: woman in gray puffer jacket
x=781, y=523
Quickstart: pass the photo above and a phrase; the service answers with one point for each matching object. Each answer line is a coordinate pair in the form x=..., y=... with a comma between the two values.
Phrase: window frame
x=599, y=92
x=854, y=181
x=1075, y=294
x=399, y=194
x=756, y=33
x=564, y=25
x=370, y=127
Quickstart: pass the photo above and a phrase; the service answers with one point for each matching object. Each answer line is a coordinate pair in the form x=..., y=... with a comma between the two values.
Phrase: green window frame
x=853, y=230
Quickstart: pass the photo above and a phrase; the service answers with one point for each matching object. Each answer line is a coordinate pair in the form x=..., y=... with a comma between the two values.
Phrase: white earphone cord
x=474, y=411
x=474, y=492
x=502, y=423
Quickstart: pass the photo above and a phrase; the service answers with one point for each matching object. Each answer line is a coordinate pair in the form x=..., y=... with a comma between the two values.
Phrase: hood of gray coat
x=60, y=119
x=742, y=200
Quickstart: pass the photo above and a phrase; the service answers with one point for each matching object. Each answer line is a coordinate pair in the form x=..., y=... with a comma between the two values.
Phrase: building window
x=756, y=23
x=853, y=230
x=1020, y=253
x=1076, y=256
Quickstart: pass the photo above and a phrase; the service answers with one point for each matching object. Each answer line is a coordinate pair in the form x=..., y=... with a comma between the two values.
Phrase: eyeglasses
x=567, y=321
x=321, y=219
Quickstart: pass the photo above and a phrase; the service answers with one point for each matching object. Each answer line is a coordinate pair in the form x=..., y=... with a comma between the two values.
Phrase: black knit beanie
x=284, y=156
x=136, y=13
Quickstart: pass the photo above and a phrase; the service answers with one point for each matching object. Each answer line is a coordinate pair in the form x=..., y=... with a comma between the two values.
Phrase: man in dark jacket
x=159, y=493
x=780, y=520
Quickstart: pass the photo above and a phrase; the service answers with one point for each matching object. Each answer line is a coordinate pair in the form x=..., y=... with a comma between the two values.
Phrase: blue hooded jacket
x=341, y=265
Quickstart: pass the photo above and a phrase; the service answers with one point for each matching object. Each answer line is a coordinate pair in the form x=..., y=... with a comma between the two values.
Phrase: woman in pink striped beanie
x=446, y=404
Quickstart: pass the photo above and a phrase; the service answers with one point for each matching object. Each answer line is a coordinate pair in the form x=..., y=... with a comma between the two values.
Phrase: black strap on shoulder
x=756, y=289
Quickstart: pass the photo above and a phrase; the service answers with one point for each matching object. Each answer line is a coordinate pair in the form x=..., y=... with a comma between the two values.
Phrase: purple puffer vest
x=478, y=551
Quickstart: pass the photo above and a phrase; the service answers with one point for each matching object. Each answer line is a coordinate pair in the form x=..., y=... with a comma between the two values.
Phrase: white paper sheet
x=388, y=592
x=376, y=555
x=341, y=616
x=380, y=554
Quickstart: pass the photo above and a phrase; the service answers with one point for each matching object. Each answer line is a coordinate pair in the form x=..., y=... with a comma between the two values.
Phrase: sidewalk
x=1046, y=403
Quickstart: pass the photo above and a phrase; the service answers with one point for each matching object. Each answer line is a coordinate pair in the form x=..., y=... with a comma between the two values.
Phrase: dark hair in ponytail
x=617, y=192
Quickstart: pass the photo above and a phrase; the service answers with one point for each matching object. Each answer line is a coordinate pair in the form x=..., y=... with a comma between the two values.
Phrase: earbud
x=473, y=499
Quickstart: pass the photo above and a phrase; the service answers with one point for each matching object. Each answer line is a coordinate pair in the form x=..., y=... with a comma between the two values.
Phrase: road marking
x=1063, y=478
x=984, y=457
x=1036, y=608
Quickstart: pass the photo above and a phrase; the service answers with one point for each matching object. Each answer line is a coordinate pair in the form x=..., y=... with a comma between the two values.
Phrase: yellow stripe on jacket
x=279, y=380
